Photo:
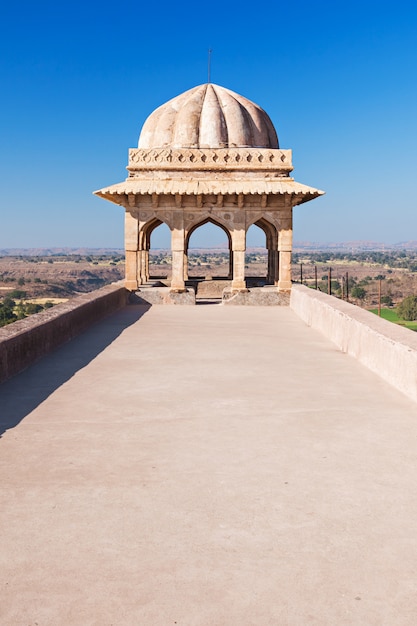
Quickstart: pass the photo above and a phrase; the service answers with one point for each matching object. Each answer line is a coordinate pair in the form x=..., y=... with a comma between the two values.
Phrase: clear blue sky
x=78, y=80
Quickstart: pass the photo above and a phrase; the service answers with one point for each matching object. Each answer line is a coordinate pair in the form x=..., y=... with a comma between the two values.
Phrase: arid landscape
x=59, y=276
x=38, y=279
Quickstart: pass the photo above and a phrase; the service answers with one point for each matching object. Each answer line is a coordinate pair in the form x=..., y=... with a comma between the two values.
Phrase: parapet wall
x=25, y=341
x=386, y=348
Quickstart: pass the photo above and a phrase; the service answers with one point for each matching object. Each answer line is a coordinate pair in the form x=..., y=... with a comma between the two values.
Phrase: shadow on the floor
x=24, y=392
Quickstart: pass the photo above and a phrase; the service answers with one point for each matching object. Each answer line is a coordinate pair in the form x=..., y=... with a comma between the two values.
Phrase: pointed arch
x=208, y=219
x=271, y=237
x=144, y=247
x=147, y=230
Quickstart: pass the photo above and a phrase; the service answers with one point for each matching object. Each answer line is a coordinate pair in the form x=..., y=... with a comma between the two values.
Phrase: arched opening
x=261, y=258
x=208, y=246
x=157, y=252
x=208, y=257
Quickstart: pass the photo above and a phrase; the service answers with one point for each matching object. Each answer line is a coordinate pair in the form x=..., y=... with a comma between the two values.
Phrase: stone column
x=131, y=250
x=276, y=267
x=141, y=268
x=270, y=270
x=146, y=262
x=141, y=278
x=285, y=249
x=178, y=249
x=186, y=265
x=230, y=262
x=239, y=249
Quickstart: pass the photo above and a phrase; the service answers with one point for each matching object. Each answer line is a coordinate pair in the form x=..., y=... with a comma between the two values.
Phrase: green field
x=391, y=316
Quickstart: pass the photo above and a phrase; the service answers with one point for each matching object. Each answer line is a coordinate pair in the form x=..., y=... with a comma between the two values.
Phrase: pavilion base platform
x=256, y=296
x=158, y=294
x=162, y=295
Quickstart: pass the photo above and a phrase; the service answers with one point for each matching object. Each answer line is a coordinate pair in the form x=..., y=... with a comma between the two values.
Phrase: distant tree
x=407, y=309
x=20, y=311
x=358, y=292
x=17, y=293
x=21, y=281
x=7, y=314
x=387, y=300
x=32, y=307
x=8, y=302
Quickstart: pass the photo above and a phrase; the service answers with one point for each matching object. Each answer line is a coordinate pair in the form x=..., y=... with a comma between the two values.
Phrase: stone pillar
x=270, y=268
x=141, y=278
x=239, y=249
x=141, y=269
x=131, y=251
x=276, y=267
x=285, y=249
x=186, y=265
x=230, y=262
x=146, y=263
x=177, y=249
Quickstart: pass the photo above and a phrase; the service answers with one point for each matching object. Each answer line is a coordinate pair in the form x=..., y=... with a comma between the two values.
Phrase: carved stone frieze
x=210, y=159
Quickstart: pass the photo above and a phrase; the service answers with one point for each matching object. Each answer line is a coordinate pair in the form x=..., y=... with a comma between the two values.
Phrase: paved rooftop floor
x=206, y=466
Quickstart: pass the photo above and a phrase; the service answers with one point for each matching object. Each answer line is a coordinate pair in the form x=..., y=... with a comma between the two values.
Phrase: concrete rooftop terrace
x=207, y=466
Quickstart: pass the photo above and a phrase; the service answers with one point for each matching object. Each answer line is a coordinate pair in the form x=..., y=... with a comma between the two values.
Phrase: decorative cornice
x=230, y=159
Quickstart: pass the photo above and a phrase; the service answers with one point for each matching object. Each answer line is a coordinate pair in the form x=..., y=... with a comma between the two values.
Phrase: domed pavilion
x=209, y=155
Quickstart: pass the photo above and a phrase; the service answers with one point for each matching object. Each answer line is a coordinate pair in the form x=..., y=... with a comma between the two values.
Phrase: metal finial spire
x=209, y=65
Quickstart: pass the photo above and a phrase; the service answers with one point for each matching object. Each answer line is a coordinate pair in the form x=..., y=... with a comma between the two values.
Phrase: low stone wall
x=25, y=341
x=386, y=348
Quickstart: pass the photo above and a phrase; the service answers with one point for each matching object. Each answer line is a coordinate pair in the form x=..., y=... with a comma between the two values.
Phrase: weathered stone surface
x=162, y=295
x=211, y=288
x=208, y=116
x=261, y=296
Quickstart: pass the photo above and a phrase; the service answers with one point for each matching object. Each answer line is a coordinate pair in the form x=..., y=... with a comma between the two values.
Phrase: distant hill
x=316, y=246
x=58, y=251
x=354, y=246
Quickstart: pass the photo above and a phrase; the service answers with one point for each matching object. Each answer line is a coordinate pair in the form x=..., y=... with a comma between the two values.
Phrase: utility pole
x=379, y=297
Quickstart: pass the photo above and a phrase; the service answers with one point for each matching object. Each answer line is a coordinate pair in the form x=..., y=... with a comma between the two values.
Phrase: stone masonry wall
x=25, y=341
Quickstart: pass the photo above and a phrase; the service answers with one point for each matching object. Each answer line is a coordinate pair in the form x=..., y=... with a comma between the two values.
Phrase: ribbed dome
x=208, y=116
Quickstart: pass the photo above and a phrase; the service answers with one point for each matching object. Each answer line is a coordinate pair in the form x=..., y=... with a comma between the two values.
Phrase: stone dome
x=208, y=116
